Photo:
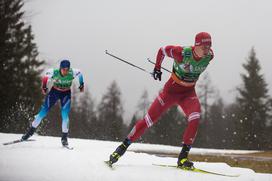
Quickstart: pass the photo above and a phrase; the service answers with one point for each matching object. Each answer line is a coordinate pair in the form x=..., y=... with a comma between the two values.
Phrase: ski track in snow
x=46, y=160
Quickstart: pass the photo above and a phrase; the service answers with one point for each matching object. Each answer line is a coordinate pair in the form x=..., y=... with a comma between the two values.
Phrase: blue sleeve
x=80, y=79
x=78, y=74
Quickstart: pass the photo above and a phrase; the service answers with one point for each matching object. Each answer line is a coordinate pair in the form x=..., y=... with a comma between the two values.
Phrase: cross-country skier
x=189, y=63
x=62, y=79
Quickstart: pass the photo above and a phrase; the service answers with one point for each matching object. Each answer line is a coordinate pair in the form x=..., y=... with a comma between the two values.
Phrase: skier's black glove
x=81, y=88
x=44, y=90
x=157, y=74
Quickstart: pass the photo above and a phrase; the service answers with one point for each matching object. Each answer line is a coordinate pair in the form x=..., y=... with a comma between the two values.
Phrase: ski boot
x=183, y=161
x=120, y=150
x=64, y=140
x=29, y=133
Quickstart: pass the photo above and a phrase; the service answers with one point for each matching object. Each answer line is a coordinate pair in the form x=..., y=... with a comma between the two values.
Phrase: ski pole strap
x=181, y=82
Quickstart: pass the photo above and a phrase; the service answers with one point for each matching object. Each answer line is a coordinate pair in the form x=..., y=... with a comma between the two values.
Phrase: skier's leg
x=160, y=104
x=49, y=101
x=29, y=133
x=191, y=108
x=65, y=109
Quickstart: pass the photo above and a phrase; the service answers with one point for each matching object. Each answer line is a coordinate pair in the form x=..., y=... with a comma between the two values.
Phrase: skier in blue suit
x=62, y=79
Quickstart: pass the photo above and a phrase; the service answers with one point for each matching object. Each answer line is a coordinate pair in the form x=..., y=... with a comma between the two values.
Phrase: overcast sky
x=81, y=30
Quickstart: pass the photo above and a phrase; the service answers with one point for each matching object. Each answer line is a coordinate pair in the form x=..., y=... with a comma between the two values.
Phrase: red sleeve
x=44, y=81
x=174, y=52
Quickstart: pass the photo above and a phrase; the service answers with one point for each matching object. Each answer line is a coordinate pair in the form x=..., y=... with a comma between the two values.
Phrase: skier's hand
x=81, y=88
x=157, y=74
x=44, y=90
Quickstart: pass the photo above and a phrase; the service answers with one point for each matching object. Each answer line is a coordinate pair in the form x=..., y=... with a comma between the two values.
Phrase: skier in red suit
x=189, y=63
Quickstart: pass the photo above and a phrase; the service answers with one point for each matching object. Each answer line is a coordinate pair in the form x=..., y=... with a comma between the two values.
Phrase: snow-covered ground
x=175, y=150
x=46, y=160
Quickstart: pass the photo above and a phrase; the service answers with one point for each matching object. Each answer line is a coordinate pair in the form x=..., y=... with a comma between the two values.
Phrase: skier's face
x=203, y=50
x=64, y=71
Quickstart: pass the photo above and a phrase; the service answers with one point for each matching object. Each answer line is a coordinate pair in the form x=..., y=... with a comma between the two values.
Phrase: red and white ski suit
x=173, y=93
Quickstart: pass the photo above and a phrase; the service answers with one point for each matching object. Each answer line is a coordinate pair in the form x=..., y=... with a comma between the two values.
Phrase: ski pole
x=161, y=67
x=118, y=58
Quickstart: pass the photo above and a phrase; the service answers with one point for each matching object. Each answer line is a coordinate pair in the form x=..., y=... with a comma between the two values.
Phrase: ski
x=109, y=164
x=196, y=170
x=17, y=141
x=68, y=147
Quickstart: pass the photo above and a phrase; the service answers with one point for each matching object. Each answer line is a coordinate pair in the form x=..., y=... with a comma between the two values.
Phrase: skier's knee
x=148, y=121
x=195, y=116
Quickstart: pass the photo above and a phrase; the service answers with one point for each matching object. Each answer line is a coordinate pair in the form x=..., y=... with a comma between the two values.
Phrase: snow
x=46, y=160
x=175, y=150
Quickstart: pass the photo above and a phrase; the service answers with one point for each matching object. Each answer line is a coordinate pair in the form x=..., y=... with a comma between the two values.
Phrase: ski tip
x=17, y=141
x=108, y=163
x=67, y=147
x=30, y=140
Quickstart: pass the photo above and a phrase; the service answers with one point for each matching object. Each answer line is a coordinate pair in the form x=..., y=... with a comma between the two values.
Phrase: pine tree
x=143, y=104
x=142, y=107
x=83, y=117
x=205, y=92
x=133, y=121
x=110, y=114
x=20, y=69
x=269, y=129
x=220, y=128
x=230, y=117
x=252, y=109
